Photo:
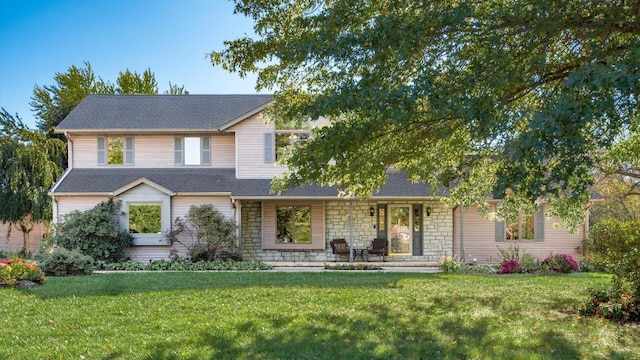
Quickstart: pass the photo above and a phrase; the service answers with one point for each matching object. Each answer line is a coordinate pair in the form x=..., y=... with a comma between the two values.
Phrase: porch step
x=431, y=267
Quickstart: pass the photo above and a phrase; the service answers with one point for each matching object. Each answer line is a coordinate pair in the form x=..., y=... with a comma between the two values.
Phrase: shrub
x=125, y=266
x=618, y=244
x=94, y=232
x=352, y=267
x=510, y=266
x=592, y=265
x=62, y=262
x=216, y=237
x=184, y=265
x=563, y=263
x=10, y=254
x=5, y=275
x=529, y=264
x=615, y=303
x=510, y=253
x=477, y=269
x=16, y=270
x=450, y=264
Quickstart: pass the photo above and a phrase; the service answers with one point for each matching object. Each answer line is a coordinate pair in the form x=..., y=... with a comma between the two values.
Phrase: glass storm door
x=400, y=230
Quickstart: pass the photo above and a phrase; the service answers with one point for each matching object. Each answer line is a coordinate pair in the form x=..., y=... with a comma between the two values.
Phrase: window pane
x=282, y=142
x=512, y=231
x=527, y=227
x=381, y=223
x=192, y=151
x=293, y=224
x=145, y=218
x=115, y=150
x=399, y=230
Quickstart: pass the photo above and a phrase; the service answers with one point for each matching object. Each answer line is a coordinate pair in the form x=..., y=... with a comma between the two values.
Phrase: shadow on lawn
x=382, y=335
x=115, y=284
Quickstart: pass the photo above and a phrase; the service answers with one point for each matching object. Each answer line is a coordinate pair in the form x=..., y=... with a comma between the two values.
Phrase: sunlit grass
x=269, y=315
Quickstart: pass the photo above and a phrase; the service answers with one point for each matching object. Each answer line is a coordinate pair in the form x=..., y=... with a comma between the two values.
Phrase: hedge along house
x=161, y=154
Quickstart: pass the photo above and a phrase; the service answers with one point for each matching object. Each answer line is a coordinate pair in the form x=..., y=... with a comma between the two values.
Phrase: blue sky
x=39, y=38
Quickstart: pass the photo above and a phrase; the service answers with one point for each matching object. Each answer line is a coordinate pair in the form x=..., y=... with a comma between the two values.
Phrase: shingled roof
x=162, y=112
x=206, y=181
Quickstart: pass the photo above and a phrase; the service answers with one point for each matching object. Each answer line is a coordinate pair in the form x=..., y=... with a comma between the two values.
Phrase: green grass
x=323, y=315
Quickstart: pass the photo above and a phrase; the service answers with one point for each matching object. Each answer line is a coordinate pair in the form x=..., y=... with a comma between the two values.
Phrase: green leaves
x=526, y=93
x=27, y=170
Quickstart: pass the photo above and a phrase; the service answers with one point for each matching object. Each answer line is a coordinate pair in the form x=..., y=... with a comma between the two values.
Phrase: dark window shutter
x=269, y=148
x=177, y=151
x=538, y=231
x=102, y=150
x=206, y=151
x=499, y=230
x=128, y=151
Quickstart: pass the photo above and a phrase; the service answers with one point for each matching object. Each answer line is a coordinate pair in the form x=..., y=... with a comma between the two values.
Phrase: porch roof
x=200, y=181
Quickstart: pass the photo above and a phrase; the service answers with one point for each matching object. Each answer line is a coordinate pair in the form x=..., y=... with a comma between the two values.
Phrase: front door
x=400, y=230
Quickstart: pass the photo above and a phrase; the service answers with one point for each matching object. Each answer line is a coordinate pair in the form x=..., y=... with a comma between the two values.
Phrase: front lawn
x=322, y=315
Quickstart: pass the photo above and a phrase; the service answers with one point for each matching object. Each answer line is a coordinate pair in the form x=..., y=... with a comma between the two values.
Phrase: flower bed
x=15, y=270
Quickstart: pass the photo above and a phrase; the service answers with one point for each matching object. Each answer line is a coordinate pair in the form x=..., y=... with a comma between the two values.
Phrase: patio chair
x=339, y=247
x=378, y=247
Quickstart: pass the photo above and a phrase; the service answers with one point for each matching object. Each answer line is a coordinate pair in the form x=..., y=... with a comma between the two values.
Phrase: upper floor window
x=286, y=134
x=190, y=150
x=115, y=150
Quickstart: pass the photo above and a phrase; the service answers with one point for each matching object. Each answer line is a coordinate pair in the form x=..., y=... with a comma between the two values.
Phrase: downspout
x=462, y=232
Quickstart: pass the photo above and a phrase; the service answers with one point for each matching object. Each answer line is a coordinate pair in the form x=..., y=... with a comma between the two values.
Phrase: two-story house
x=161, y=154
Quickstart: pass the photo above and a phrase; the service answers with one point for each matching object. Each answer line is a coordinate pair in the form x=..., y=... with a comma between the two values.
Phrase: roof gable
x=144, y=181
x=129, y=113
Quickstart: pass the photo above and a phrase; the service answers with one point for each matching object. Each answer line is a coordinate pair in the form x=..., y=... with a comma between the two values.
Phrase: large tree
x=27, y=172
x=32, y=160
x=52, y=103
x=519, y=98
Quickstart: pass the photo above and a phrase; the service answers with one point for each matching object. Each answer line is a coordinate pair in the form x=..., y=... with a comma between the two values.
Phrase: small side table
x=359, y=251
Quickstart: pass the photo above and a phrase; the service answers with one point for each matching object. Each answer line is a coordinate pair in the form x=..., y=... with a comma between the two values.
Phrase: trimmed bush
x=63, y=262
x=563, y=263
x=215, y=236
x=510, y=266
x=94, y=232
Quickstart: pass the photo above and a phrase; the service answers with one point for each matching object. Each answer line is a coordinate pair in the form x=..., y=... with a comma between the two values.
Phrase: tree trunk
x=25, y=225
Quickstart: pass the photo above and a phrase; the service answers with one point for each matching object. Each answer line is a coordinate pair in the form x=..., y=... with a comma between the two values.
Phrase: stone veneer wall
x=437, y=232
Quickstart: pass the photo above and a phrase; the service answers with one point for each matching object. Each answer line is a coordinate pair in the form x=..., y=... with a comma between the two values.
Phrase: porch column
x=237, y=209
x=351, y=231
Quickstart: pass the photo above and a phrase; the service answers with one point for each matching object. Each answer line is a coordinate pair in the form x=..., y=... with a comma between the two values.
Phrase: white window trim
x=204, y=152
x=102, y=150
